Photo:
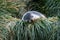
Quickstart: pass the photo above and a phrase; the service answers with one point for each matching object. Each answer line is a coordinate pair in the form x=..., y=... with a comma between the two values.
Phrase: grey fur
x=28, y=15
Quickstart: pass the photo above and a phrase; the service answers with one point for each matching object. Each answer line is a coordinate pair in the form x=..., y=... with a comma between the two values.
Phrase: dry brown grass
x=12, y=0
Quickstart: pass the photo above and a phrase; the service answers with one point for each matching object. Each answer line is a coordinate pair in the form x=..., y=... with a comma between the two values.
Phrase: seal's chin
x=30, y=21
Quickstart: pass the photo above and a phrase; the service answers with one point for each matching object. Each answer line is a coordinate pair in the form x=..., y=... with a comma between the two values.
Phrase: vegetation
x=13, y=28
